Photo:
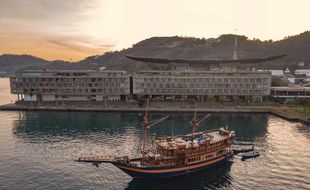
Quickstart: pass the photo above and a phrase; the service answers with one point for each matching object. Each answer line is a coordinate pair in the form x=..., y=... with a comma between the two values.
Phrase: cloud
x=79, y=44
x=44, y=9
x=102, y=25
x=44, y=25
x=45, y=16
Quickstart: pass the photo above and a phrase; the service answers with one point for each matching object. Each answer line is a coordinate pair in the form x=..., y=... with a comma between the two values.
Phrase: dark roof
x=207, y=61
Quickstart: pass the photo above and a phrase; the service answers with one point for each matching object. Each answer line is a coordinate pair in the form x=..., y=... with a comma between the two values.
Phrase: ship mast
x=145, y=123
x=194, y=123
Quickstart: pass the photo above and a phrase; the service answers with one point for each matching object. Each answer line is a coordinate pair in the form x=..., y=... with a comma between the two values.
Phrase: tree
x=276, y=81
x=141, y=100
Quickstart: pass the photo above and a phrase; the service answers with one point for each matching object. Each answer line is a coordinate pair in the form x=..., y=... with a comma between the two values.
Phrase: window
x=220, y=152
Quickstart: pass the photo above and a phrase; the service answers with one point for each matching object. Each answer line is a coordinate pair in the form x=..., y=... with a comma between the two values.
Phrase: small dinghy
x=241, y=149
x=248, y=155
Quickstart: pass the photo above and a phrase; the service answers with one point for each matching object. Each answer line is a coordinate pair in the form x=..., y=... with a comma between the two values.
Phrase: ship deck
x=191, y=140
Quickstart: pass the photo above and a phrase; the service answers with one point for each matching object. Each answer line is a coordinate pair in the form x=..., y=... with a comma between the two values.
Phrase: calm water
x=37, y=150
x=5, y=95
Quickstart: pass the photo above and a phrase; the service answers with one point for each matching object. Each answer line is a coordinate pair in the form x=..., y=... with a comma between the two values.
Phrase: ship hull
x=167, y=172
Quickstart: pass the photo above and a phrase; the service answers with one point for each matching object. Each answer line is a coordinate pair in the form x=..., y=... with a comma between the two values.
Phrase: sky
x=74, y=29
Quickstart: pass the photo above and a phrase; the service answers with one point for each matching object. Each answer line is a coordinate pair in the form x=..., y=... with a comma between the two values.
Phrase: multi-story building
x=202, y=83
x=79, y=85
x=292, y=92
x=71, y=85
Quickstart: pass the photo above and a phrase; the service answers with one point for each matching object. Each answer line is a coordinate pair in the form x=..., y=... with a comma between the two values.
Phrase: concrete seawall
x=127, y=108
x=162, y=108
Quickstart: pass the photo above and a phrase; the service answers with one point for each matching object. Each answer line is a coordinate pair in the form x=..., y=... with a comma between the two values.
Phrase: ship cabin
x=190, y=148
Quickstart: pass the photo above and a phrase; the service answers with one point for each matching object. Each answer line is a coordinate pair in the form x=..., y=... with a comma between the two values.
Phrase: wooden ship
x=174, y=155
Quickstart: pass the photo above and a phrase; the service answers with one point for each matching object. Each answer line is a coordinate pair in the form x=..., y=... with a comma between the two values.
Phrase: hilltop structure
x=200, y=65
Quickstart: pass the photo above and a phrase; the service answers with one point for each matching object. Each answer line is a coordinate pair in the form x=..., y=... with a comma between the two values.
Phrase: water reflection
x=6, y=96
x=30, y=125
x=216, y=176
x=71, y=124
x=303, y=129
x=248, y=127
x=45, y=140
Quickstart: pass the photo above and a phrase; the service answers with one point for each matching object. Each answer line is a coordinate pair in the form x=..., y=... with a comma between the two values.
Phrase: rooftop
x=277, y=72
x=207, y=61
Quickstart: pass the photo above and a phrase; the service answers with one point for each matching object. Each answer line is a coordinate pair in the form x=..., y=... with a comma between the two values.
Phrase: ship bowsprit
x=97, y=159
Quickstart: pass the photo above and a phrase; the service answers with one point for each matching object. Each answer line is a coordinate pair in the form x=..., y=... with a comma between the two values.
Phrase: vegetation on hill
x=277, y=81
x=178, y=48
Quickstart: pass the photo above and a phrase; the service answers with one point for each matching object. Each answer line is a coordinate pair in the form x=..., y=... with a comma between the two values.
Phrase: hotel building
x=71, y=85
x=118, y=85
x=202, y=83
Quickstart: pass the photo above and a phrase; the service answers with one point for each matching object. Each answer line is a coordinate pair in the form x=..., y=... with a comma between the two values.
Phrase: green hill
x=295, y=47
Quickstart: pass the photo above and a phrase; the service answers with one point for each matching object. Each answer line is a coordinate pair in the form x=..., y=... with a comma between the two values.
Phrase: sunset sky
x=75, y=29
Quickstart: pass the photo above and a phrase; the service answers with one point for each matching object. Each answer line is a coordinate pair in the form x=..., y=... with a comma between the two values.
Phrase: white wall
x=72, y=98
x=114, y=98
x=99, y=98
x=76, y=98
x=292, y=80
x=48, y=98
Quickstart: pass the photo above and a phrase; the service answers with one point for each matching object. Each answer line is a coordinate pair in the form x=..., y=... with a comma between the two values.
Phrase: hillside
x=296, y=47
x=15, y=62
x=11, y=63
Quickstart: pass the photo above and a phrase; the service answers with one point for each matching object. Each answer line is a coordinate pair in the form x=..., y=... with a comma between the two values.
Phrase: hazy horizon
x=75, y=29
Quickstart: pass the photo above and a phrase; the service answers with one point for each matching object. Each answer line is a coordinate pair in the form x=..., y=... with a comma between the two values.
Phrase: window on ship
x=220, y=152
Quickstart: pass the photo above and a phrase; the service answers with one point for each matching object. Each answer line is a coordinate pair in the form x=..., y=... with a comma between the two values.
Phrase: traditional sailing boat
x=174, y=155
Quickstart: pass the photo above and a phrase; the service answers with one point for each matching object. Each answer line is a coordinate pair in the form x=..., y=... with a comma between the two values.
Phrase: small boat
x=248, y=155
x=242, y=149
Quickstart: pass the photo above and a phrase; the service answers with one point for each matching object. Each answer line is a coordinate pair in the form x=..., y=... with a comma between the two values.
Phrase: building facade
x=118, y=85
x=290, y=92
x=202, y=83
x=71, y=85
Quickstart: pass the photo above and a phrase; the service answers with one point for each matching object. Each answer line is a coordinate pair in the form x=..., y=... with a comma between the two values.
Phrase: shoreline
x=119, y=108
x=277, y=111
